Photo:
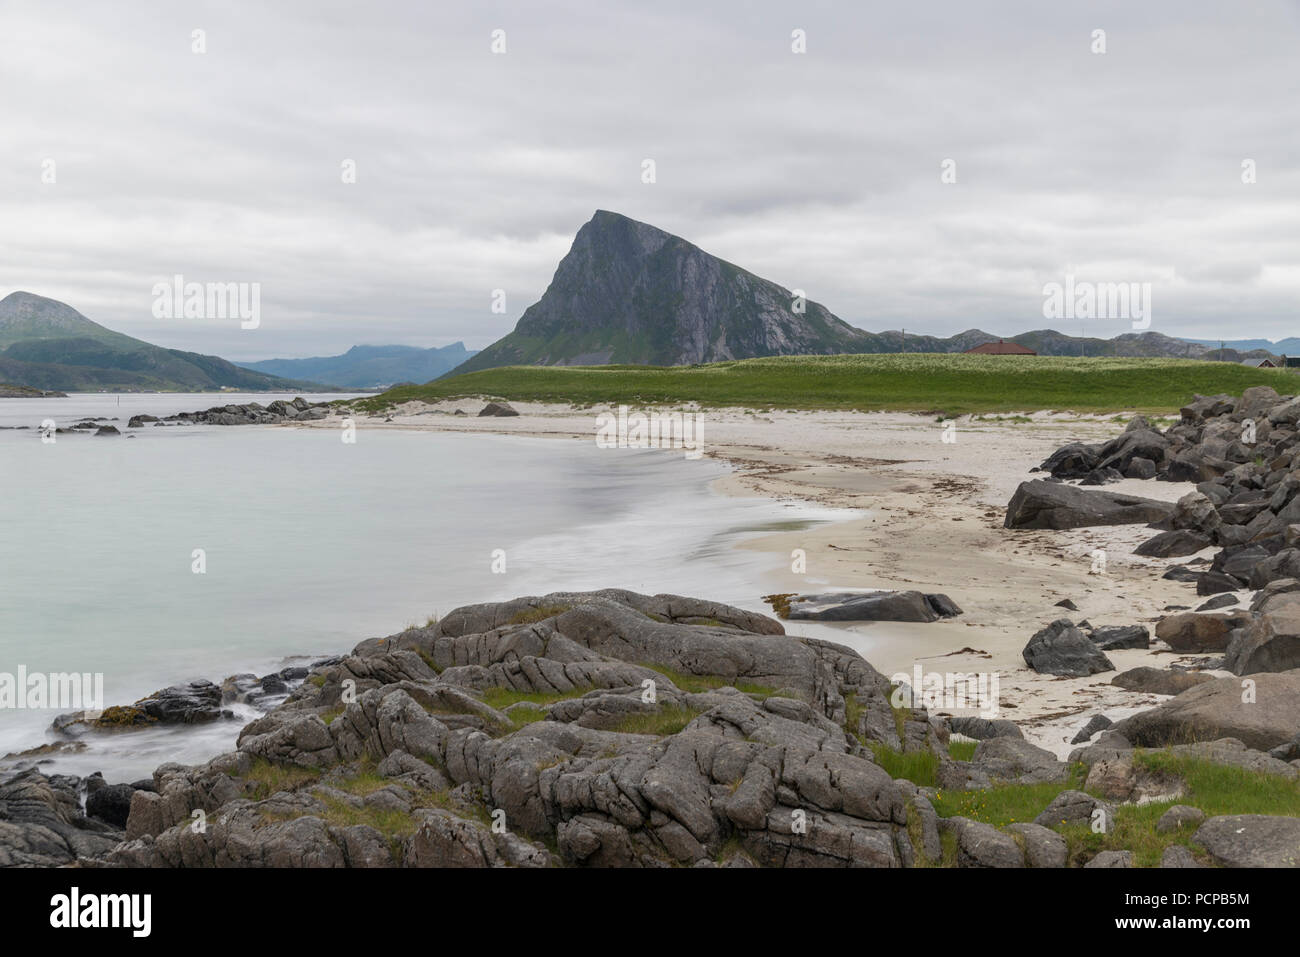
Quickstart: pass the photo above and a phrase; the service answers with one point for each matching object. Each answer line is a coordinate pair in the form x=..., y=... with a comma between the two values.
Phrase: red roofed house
x=1001, y=348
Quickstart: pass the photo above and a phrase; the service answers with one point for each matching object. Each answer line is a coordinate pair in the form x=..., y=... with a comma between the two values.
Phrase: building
x=1259, y=363
x=1000, y=348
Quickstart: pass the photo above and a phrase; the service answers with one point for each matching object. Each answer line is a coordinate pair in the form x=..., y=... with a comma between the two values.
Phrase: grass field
x=933, y=383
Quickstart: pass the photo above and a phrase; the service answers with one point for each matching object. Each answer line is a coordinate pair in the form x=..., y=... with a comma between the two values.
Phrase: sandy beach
x=931, y=520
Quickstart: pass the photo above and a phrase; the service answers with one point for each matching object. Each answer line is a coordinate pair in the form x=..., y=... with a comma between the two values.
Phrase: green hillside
x=46, y=344
x=935, y=383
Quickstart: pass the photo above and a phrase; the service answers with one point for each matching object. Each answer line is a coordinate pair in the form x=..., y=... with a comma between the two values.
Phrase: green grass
x=667, y=720
x=1005, y=803
x=502, y=698
x=945, y=383
x=698, y=684
x=531, y=615
x=1214, y=788
x=962, y=750
x=919, y=767
x=266, y=778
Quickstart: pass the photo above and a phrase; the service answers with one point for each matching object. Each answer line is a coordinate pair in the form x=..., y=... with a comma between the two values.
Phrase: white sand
x=931, y=520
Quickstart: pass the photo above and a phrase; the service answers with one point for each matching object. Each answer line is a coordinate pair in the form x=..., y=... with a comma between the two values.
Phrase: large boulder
x=1262, y=714
x=1042, y=504
x=1062, y=649
x=1159, y=681
x=1251, y=840
x=1191, y=631
x=1173, y=544
x=1271, y=642
x=874, y=606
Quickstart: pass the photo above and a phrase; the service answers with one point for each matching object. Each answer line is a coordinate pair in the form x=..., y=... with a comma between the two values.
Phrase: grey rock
x=1062, y=649
x=1251, y=840
x=1179, y=817
x=1041, y=504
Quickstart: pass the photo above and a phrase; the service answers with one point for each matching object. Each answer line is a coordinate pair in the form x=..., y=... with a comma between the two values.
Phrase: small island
x=26, y=392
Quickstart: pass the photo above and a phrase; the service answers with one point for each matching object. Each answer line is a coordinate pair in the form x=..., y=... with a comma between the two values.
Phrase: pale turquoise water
x=313, y=544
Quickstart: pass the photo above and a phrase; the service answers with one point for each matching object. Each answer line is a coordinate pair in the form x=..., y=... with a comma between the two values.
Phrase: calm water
x=313, y=544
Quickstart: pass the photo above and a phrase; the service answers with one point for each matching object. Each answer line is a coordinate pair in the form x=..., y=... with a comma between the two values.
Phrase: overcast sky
x=820, y=171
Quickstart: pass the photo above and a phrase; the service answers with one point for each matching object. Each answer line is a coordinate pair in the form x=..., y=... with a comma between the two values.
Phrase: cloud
x=820, y=171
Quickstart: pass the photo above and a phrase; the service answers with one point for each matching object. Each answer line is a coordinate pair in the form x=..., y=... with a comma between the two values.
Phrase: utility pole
x=903, y=333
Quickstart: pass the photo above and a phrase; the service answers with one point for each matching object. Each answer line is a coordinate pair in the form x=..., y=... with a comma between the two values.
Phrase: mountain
x=369, y=367
x=627, y=292
x=46, y=344
x=1283, y=347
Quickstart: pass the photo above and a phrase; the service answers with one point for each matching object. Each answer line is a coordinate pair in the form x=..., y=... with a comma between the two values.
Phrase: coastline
x=932, y=520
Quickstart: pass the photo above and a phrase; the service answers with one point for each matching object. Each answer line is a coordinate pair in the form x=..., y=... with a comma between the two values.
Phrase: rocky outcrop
x=624, y=762
x=42, y=824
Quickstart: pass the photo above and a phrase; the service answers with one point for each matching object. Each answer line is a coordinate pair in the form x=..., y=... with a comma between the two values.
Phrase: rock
x=41, y=823
x=1098, y=722
x=1043, y=846
x=1042, y=504
x=873, y=606
x=1215, y=583
x=111, y=804
x=1062, y=649
x=193, y=703
x=1112, y=859
x=1204, y=407
x=1009, y=758
x=983, y=845
x=1176, y=855
x=1251, y=840
x=1218, y=601
x=1179, y=817
x=1076, y=806
x=1274, y=589
x=1159, y=681
x=1199, y=632
x=1181, y=573
x=981, y=729
x=498, y=409
x=1102, y=477
x=1285, y=564
x=107, y=430
x=1067, y=604
x=1174, y=544
x=1140, y=468
x=1215, y=709
x=1110, y=637
x=1269, y=642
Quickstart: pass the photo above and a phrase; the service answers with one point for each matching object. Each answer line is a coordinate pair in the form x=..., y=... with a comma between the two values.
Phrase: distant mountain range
x=370, y=367
x=628, y=292
x=1283, y=347
x=48, y=345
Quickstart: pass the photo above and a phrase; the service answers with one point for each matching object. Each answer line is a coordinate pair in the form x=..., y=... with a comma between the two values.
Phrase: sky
x=820, y=170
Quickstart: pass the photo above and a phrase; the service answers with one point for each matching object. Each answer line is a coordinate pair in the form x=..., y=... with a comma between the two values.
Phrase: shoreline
x=932, y=521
